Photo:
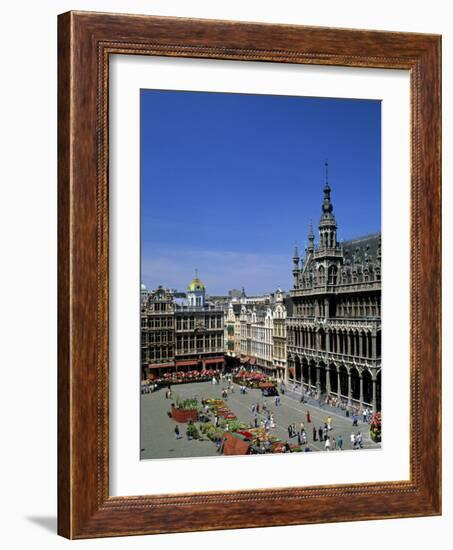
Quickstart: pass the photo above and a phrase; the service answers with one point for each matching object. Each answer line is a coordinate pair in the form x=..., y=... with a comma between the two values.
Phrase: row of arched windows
x=355, y=343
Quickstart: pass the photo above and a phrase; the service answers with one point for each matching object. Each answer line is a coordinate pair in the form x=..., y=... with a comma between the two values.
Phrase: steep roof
x=356, y=250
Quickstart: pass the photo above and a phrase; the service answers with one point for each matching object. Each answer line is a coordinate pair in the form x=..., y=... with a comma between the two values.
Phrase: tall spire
x=296, y=265
x=311, y=239
x=327, y=223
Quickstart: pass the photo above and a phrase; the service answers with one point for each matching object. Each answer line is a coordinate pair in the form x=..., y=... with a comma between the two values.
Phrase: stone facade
x=334, y=330
x=157, y=330
x=177, y=334
x=256, y=332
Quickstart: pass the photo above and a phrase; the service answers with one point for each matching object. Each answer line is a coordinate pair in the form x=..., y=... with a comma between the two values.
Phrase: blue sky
x=229, y=182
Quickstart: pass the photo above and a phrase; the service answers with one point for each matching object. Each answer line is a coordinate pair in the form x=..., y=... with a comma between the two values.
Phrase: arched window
x=332, y=275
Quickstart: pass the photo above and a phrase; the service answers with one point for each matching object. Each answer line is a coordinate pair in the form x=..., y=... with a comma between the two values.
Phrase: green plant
x=192, y=431
x=190, y=403
x=235, y=425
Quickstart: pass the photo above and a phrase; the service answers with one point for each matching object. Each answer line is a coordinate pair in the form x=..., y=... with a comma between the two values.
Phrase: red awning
x=186, y=363
x=160, y=365
x=213, y=360
x=233, y=445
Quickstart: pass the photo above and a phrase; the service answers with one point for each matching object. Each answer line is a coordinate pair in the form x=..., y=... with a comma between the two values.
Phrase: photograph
x=261, y=261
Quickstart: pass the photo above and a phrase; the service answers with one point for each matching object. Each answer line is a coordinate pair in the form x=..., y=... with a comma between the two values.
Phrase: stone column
x=373, y=346
x=328, y=389
x=360, y=345
x=374, y=395
x=328, y=340
x=361, y=390
x=349, y=390
x=317, y=380
x=338, y=383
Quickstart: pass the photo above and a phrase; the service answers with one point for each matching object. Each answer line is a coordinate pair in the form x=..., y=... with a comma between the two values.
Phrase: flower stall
x=253, y=379
x=185, y=411
x=185, y=377
x=375, y=427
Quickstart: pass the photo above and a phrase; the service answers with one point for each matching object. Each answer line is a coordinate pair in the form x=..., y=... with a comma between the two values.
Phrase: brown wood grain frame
x=86, y=41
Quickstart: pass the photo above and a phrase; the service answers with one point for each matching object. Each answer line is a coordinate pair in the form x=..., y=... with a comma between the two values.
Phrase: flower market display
x=375, y=427
x=231, y=436
x=184, y=377
x=253, y=379
x=185, y=411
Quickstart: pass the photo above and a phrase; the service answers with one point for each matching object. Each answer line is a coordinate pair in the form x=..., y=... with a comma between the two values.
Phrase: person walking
x=314, y=434
x=308, y=417
x=177, y=434
x=290, y=429
x=329, y=423
x=334, y=444
x=327, y=444
x=358, y=440
x=302, y=426
x=352, y=440
x=340, y=442
x=320, y=433
x=272, y=421
x=299, y=440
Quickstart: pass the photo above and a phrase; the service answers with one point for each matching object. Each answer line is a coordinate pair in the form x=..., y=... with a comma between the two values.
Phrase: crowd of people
x=322, y=435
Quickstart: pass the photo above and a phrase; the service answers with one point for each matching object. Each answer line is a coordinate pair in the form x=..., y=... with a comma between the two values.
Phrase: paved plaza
x=157, y=429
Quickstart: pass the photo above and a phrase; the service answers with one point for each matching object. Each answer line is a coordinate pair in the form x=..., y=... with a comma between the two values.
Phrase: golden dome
x=195, y=285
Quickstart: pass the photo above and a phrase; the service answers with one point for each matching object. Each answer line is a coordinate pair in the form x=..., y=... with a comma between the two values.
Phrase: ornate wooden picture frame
x=85, y=42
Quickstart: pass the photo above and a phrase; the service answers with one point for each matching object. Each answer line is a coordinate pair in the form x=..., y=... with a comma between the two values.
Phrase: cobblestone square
x=157, y=429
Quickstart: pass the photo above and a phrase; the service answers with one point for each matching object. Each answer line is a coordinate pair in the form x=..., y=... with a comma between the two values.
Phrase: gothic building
x=334, y=329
